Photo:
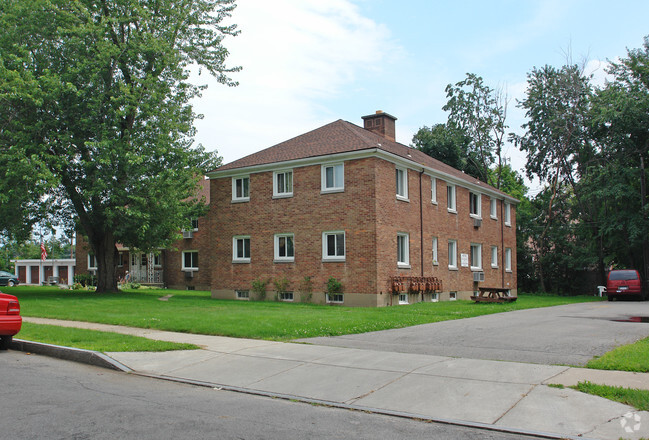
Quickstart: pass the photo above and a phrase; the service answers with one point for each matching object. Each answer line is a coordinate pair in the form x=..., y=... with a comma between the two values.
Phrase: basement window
x=452, y=296
x=243, y=294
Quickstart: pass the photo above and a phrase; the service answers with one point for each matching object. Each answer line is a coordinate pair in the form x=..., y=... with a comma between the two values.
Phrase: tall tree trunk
x=106, y=255
x=643, y=202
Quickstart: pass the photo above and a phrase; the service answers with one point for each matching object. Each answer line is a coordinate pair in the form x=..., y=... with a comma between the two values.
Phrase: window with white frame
x=402, y=183
x=284, y=249
x=450, y=198
x=433, y=190
x=190, y=260
x=241, y=189
x=157, y=260
x=435, y=260
x=283, y=183
x=243, y=294
x=493, y=208
x=241, y=249
x=452, y=254
x=508, y=215
x=494, y=256
x=333, y=246
x=195, y=224
x=333, y=178
x=434, y=297
x=92, y=262
x=508, y=259
x=476, y=256
x=452, y=296
x=403, y=298
x=403, y=250
x=475, y=205
x=335, y=298
x=285, y=296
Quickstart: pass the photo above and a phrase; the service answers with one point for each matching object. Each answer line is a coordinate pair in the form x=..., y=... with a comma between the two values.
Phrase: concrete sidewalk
x=501, y=395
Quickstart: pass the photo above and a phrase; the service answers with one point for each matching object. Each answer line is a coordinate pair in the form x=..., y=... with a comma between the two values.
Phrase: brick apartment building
x=351, y=203
x=176, y=267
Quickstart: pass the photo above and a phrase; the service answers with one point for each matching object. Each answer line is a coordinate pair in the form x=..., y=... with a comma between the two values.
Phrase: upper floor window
x=241, y=189
x=190, y=260
x=476, y=256
x=333, y=178
x=403, y=250
x=92, y=262
x=433, y=190
x=450, y=197
x=493, y=208
x=333, y=246
x=435, y=261
x=241, y=249
x=283, y=184
x=475, y=205
x=195, y=224
x=284, y=249
x=402, y=183
x=508, y=215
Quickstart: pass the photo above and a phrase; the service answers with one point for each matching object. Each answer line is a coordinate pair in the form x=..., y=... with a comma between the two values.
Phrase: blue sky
x=310, y=62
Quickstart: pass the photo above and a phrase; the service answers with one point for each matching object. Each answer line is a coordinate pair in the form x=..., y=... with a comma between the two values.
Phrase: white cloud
x=295, y=55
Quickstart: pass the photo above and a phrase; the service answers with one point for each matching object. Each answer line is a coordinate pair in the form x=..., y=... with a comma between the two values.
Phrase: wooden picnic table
x=493, y=294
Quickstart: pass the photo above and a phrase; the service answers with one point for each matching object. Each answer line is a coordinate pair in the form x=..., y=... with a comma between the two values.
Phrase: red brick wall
x=306, y=215
x=371, y=215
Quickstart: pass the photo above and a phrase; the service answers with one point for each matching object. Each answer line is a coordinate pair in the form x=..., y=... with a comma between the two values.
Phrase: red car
x=10, y=320
x=624, y=283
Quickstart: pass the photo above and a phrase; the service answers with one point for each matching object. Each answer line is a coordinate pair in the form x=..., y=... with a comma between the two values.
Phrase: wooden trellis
x=402, y=284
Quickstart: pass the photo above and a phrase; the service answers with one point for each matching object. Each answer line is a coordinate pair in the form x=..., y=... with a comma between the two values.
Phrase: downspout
x=421, y=229
x=502, y=242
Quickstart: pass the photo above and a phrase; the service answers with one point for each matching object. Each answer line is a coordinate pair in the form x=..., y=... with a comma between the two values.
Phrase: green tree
x=95, y=100
x=448, y=145
x=479, y=112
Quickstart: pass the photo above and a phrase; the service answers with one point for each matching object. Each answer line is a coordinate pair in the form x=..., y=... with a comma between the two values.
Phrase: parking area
x=564, y=335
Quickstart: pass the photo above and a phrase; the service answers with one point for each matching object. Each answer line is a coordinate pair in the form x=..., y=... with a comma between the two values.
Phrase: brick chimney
x=380, y=123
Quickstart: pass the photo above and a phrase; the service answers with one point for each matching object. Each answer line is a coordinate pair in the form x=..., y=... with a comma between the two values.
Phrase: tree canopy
x=97, y=122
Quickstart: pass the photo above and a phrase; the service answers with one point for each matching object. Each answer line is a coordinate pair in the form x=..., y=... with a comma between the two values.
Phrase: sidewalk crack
x=515, y=404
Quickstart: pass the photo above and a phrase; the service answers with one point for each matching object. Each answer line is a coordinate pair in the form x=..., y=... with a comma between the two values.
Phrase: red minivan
x=624, y=282
x=10, y=320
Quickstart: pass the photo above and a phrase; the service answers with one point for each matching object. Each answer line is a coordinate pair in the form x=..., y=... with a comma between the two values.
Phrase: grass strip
x=94, y=339
x=196, y=312
x=631, y=357
x=638, y=399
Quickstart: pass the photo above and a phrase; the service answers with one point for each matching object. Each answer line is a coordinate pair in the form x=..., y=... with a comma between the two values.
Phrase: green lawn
x=632, y=357
x=636, y=398
x=95, y=340
x=196, y=312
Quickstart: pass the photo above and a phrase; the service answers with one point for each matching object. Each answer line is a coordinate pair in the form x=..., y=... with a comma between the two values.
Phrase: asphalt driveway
x=565, y=335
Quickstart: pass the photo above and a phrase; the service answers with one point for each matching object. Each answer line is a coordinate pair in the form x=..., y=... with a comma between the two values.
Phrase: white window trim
x=404, y=175
x=451, y=202
x=326, y=257
x=235, y=258
x=185, y=268
x=236, y=199
x=452, y=296
x=92, y=257
x=435, y=254
x=479, y=246
x=508, y=215
x=494, y=256
x=478, y=205
x=277, y=256
x=332, y=301
x=286, y=294
x=323, y=177
x=276, y=193
x=434, y=297
x=433, y=190
x=452, y=265
x=404, y=264
x=508, y=259
x=405, y=300
x=243, y=295
x=493, y=208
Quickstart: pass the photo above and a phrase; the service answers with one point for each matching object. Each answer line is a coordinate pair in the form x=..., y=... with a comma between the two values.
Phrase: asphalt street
x=46, y=398
x=564, y=335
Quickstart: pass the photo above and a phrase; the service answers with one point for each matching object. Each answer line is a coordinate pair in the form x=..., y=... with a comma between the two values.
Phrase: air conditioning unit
x=188, y=234
x=189, y=274
x=477, y=222
x=478, y=277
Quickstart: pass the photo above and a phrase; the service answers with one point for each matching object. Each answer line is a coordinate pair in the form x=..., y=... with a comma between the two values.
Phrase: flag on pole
x=43, y=251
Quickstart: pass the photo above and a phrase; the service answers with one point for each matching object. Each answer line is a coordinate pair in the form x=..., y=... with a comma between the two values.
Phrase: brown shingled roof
x=343, y=137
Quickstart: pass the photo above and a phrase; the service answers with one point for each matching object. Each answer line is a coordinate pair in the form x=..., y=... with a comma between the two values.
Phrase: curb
x=80, y=355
